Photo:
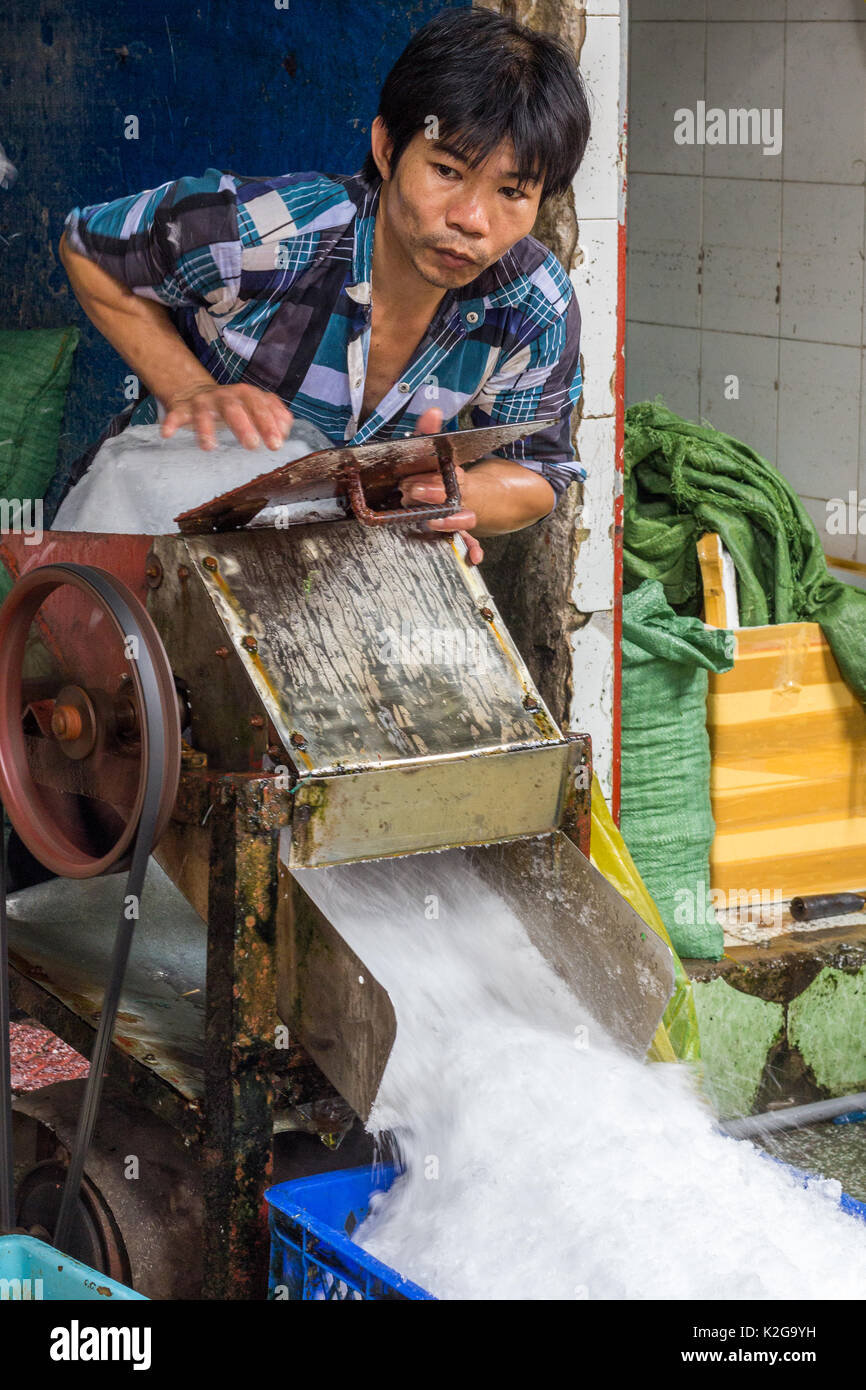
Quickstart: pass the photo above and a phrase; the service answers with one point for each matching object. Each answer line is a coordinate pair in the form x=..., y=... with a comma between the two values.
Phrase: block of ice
x=139, y=482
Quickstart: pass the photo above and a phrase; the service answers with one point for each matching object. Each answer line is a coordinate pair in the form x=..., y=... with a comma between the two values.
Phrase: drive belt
x=156, y=751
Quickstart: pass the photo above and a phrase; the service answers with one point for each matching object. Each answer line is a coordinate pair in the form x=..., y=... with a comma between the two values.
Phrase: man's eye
x=445, y=169
x=517, y=192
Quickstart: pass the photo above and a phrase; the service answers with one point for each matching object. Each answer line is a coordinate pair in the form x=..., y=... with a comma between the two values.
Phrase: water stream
x=541, y=1161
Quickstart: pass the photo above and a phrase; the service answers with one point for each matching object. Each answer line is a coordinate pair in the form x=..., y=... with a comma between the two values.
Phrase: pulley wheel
x=74, y=743
x=95, y=1237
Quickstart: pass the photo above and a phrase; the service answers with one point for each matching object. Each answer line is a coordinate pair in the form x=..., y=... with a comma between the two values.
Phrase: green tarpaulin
x=682, y=480
x=34, y=373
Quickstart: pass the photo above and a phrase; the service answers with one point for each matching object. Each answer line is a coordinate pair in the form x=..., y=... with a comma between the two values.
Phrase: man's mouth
x=453, y=258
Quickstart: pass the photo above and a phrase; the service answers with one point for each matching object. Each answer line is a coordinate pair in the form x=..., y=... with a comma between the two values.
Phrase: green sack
x=665, y=817
x=682, y=480
x=34, y=375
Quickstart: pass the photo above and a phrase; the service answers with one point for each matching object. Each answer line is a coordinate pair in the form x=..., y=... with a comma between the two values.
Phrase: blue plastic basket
x=32, y=1270
x=806, y=1176
x=312, y=1220
x=312, y=1256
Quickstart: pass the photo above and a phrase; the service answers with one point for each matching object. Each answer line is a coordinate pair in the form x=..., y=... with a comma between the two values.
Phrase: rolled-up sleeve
x=539, y=380
x=178, y=244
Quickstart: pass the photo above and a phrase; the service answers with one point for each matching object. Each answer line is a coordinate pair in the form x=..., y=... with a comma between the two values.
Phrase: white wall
x=750, y=264
x=598, y=191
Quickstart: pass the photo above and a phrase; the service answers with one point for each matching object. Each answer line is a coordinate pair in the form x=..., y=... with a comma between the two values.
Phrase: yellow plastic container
x=788, y=744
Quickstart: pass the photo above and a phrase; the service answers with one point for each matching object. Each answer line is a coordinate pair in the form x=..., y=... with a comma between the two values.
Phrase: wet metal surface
x=586, y=930
x=61, y=935
x=436, y=804
x=370, y=646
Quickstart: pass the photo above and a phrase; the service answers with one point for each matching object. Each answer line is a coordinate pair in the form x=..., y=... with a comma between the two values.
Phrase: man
x=375, y=305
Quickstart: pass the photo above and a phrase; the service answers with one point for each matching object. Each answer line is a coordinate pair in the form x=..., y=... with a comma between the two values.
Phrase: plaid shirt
x=268, y=281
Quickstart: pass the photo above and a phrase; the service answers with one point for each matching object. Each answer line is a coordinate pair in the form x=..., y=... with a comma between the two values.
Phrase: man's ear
x=381, y=145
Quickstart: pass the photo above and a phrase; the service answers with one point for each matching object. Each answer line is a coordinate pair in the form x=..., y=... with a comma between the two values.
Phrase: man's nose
x=469, y=216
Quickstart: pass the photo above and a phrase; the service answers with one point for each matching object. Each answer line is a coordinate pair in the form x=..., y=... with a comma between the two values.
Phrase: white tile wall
x=667, y=72
x=861, y=540
x=664, y=238
x=745, y=9
x=819, y=417
x=594, y=280
x=597, y=183
x=825, y=102
x=746, y=407
x=742, y=219
x=822, y=262
x=780, y=242
x=665, y=361
x=599, y=202
x=593, y=588
x=827, y=9
x=745, y=68
x=592, y=704
x=667, y=9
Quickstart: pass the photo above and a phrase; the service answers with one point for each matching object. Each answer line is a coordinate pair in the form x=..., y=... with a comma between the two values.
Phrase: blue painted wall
x=234, y=84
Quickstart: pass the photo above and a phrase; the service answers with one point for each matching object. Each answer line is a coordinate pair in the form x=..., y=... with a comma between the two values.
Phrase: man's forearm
x=139, y=329
x=505, y=496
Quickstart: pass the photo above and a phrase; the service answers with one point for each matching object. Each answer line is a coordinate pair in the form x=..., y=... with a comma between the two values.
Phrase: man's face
x=452, y=221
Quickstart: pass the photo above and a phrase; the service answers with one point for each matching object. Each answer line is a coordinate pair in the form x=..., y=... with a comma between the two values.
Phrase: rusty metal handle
x=425, y=511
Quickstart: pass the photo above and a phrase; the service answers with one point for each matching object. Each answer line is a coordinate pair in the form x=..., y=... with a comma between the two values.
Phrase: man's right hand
x=252, y=415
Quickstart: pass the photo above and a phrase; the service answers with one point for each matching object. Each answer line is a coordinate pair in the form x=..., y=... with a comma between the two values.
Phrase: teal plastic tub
x=32, y=1270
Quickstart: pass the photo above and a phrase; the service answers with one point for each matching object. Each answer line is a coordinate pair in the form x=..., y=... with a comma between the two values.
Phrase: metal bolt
x=182, y=572
x=249, y=644
x=222, y=652
x=487, y=613
x=257, y=721
x=153, y=572
x=298, y=741
x=530, y=702
x=66, y=722
x=209, y=562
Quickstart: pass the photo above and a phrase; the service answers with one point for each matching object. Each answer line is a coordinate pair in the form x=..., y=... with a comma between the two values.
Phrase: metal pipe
x=826, y=905
x=772, y=1121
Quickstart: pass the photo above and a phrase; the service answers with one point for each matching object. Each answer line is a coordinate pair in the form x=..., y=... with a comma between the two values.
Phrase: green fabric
x=682, y=480
x=34, y=375
x=665, y=814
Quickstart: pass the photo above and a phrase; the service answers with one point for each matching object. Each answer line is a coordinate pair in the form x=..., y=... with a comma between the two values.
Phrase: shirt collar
x=362, y=255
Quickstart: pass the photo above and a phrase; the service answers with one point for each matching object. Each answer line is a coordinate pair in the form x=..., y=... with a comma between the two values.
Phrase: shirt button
x=404, y=387
x=472, y=317
x=356, y=383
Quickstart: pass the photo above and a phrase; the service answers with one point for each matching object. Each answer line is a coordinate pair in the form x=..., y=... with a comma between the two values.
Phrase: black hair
x=486, y=78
